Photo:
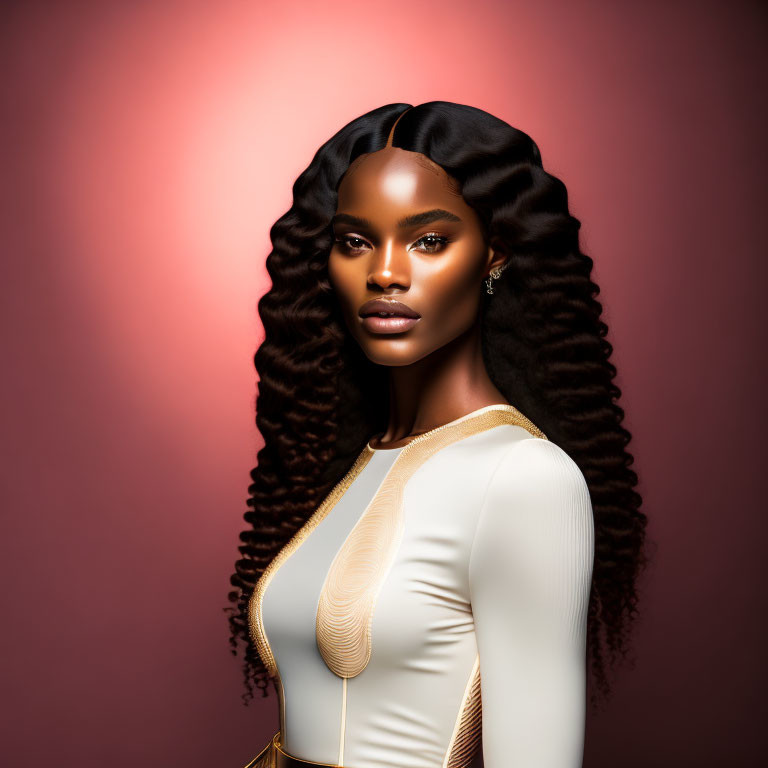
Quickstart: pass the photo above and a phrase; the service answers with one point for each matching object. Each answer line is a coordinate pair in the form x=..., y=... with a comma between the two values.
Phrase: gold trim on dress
x=265, y=758
x=284, y=760
x=358, y=572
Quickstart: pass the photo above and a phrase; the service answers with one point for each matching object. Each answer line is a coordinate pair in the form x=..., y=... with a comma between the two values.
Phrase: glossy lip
x=389, y=324
x=388, y=305
x=402, y=317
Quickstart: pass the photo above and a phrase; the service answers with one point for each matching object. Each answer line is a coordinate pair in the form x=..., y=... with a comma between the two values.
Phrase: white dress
x=432, y=611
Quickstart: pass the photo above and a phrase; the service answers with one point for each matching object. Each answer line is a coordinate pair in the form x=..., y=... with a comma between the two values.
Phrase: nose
x=389, y=266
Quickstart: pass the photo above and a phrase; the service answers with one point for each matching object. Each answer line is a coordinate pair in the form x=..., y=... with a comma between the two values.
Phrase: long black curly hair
x=544, y=345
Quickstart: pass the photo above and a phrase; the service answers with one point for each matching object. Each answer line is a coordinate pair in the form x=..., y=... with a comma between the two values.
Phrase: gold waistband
x=272, y=756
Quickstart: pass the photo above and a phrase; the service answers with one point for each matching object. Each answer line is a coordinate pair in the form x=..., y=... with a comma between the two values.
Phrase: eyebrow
x=416, y=220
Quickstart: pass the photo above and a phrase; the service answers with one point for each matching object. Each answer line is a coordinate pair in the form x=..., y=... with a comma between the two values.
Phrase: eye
x=350, y=242
x=433, y=242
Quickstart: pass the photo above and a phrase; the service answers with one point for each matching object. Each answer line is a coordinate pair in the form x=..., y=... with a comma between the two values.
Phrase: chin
x=393, y=352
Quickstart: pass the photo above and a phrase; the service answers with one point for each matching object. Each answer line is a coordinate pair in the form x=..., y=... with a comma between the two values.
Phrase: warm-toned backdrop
x=148, y=147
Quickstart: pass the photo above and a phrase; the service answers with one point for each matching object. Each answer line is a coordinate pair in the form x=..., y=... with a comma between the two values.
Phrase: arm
x=530, y=571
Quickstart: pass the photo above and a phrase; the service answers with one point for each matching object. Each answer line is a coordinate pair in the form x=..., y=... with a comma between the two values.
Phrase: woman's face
x=404, y=234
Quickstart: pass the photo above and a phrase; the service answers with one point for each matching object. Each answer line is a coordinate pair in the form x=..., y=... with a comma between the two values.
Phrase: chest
x=382, y=577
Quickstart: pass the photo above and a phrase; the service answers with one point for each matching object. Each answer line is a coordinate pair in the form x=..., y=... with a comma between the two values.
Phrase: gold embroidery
x=256, y=621
x=467, y=734
x=357, y=573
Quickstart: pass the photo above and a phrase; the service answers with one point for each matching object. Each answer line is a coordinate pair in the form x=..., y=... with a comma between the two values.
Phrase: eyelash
x=441, y=240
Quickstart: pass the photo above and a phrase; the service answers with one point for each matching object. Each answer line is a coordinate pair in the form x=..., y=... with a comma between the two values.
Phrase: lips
x=383, y=316
x=387, y=308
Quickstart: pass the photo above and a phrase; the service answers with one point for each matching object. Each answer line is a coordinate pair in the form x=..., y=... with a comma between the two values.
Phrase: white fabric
x=495, y=561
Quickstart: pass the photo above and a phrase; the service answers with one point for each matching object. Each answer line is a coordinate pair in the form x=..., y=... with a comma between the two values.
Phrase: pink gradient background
x=150, y=146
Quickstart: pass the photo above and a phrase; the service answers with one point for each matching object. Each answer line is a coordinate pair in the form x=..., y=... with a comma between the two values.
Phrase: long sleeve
x=530, y=572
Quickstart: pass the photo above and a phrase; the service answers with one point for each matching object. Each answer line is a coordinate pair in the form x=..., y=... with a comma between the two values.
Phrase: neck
x=439, y=388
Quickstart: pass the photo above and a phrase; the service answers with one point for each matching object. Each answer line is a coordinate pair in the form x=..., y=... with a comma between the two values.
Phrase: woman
x=442, y=516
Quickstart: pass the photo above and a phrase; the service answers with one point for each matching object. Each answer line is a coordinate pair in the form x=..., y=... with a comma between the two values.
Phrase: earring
x=495, y=274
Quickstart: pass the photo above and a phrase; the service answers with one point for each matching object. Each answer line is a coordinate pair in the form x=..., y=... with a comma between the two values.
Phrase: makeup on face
x=408, y=257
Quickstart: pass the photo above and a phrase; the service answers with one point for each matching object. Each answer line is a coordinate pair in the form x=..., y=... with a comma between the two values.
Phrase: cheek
x=453, y=294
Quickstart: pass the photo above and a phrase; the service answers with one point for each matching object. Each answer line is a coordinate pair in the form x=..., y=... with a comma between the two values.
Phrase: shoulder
x=535, y=489
x=536, y=466
x=468, y=459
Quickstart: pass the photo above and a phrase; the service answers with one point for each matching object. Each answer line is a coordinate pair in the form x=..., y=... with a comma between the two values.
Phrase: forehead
x=395, y=177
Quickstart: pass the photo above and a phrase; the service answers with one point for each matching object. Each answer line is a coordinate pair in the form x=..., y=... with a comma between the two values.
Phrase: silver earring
x=495, y=274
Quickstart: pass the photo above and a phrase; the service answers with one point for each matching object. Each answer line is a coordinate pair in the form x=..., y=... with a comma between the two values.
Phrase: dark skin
x=437, y=373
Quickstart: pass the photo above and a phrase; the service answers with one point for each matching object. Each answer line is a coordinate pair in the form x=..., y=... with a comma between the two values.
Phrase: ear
x=494, y=259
